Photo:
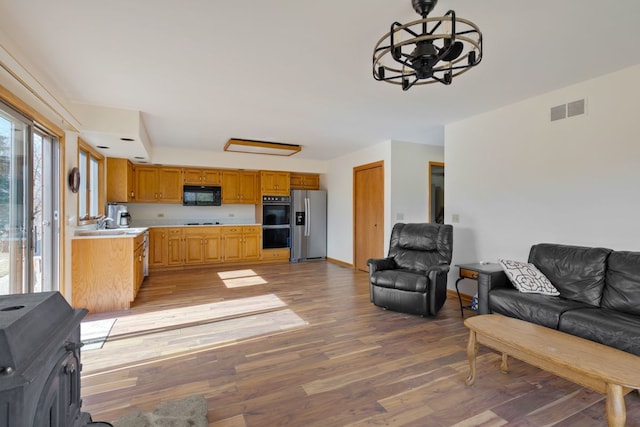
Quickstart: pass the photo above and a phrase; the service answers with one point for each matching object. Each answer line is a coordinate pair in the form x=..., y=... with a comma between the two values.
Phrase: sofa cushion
x=577, y=272
x=527, y=278
x=405, y=280
x=622, y=288
x=543, y=310
x=608, y=327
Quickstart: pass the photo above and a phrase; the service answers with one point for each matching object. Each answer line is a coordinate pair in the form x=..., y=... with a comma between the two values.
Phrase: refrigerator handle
x=307, y=214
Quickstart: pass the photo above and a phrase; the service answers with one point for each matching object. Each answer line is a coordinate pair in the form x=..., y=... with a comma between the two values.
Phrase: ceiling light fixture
x=428, y=50
x=261, y=147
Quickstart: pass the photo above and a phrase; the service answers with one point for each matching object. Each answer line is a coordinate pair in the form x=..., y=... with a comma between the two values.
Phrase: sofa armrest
x=380, y=264
x=487, y=282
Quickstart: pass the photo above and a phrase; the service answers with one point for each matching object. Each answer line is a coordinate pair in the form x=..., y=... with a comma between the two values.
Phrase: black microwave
x=201, y=195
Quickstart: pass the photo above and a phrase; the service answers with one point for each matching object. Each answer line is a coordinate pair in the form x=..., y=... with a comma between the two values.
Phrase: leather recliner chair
x=413, y=278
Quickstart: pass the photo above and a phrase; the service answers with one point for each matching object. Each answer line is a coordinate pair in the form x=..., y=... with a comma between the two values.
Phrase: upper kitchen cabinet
x=240, y=187
x=120, y=186
x=305, y=181
x=201, y=176
x=274, y=183
x=155, y=184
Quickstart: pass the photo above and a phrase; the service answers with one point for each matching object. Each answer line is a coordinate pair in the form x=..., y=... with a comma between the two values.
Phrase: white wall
x=410, y=180
x=405, y=190
x=516, y=179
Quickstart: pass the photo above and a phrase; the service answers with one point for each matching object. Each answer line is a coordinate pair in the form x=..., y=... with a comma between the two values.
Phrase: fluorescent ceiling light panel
x=261, y=147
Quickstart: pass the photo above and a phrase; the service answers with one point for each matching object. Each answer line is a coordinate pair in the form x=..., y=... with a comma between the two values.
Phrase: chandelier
x=428, y=50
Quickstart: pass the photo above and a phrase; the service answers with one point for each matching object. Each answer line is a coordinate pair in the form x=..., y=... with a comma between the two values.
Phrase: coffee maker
x=119, y=214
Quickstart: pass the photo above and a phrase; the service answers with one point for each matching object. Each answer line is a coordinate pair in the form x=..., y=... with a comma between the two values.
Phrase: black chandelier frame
x=393, y=63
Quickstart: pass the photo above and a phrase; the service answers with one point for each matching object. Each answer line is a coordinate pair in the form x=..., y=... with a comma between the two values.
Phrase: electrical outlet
x=455, y=218
x=399, y=216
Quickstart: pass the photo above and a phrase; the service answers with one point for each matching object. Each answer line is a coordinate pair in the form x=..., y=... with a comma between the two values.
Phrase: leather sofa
x=599, y=294
x=413, y=278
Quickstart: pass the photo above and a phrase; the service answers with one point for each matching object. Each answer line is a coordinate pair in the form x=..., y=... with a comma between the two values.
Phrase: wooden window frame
x=85, y=178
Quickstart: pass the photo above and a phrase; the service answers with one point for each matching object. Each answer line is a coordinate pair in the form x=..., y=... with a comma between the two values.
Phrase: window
x=91, y=193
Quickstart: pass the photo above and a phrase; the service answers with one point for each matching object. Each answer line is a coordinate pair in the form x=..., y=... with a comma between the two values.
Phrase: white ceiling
x=299, y=71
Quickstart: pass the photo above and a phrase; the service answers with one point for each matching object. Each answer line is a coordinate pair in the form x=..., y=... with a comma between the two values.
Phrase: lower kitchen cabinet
x=158, y=247
x=201, y=245
x=183, y=246
x=276, y=255
x=175, y=249
x=106, y=273
x=241, y=243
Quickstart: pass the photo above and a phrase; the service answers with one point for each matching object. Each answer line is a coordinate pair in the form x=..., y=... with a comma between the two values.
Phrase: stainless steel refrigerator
x=308, y=225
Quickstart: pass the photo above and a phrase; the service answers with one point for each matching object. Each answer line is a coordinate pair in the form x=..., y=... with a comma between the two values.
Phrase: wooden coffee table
x=595, y=366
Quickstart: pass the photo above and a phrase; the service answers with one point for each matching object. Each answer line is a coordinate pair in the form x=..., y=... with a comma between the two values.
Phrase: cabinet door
x=248, y=187
x=282, y=183
x=192, y=177
x=230, y=187
x=212, y=247
x=193, y=248
x=119, y=180
x=174, y=252
x=158, y=247
x=146, y=183
x=267, y=182
x=138, y=265
x=211, y=177
x=170, y=185
x=305, y=181
x=251, y=245
x=232, y=243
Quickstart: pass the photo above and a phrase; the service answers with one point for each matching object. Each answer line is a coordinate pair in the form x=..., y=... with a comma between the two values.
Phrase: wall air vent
x=571, y=109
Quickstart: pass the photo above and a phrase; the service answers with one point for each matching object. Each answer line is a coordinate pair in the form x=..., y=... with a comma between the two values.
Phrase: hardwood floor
x=301, y=345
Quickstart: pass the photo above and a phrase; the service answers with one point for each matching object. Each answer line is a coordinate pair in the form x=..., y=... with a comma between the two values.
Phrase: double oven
x=276, y=222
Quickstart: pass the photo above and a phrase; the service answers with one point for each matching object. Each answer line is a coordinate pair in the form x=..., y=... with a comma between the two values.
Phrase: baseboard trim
x=466, y=299
x=340, y=263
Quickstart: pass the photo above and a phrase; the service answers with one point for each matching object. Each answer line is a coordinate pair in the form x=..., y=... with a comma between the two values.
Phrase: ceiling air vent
x=571, y=109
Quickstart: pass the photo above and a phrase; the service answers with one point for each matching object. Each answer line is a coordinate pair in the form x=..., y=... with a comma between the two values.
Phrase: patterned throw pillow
x=527, y=278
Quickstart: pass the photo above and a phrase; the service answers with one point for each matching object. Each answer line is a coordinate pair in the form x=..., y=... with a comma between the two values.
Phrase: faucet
x=102, y=221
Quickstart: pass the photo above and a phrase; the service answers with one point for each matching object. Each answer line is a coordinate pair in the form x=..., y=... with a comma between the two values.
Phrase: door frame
x=356, y=169
x=429, y=193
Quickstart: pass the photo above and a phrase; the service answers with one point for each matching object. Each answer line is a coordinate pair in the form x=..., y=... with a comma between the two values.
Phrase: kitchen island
x=107, y=268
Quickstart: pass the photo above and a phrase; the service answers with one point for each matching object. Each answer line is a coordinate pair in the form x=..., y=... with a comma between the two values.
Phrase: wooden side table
x=474, y=271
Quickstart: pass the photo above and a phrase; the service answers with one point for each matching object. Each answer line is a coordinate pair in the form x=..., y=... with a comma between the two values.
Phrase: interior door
x=368, y=213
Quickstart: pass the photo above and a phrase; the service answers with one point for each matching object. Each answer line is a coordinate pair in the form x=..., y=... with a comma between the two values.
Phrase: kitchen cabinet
x=158, y=247
x=106, y=272
x=274, y=183
x=304, y=181
x=240, y=187
x=155, y=184
x=175, y=246
x=201, y=176
x=241, y=243
x=201, y=245
x=276, y=255
x=138, y=265
x=178, y=246
x=120, y=186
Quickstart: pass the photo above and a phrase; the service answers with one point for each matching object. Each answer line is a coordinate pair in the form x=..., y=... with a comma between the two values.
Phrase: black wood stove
x=40, y=362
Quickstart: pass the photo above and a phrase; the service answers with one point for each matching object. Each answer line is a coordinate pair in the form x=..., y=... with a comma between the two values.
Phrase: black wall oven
x=276, y=222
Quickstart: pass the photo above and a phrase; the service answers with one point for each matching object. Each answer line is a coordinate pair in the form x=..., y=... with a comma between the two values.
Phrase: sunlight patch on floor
x=241, y=278
x=139, y=349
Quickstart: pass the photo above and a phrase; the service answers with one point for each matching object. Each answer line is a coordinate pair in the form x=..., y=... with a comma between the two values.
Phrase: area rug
x=94, y=333
x=189, y=412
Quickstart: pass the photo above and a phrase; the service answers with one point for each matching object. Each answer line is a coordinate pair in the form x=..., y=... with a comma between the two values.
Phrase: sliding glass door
x=29, y=206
